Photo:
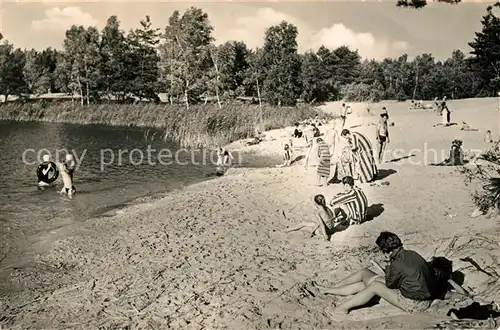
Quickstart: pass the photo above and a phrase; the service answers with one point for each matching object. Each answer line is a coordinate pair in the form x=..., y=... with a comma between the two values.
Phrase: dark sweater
x=411, y=274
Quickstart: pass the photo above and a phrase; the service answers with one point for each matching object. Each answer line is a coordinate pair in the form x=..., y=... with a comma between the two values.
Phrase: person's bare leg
x=346, y=290
x=362, y=298
x=313, y=231
x=363, y=276
x=300, y=226
x=319, y=181
x=320, y=224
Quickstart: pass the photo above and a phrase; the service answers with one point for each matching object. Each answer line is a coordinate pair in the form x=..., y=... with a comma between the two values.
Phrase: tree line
x=184, y=62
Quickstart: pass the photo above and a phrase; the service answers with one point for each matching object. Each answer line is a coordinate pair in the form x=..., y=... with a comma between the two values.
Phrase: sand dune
x=213, y=255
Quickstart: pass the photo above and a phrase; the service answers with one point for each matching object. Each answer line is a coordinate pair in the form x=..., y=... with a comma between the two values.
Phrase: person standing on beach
x=410, y=282
x=323, y=169
x=445, y=113
x=365, y=168
x=382, y=135
x=287, y=156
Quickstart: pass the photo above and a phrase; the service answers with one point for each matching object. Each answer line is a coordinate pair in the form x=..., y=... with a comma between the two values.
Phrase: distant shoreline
x=200, y=125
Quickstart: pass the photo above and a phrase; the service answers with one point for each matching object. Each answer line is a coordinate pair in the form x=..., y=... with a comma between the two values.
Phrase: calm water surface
x=27, y=214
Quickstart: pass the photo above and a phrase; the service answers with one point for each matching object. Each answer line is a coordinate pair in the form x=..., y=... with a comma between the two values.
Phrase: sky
x=377, y=29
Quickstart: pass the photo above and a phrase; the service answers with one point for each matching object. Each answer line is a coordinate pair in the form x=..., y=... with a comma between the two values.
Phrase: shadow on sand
x=400, y=158
x=374, y=211
x=382, y=173
x=297, y=159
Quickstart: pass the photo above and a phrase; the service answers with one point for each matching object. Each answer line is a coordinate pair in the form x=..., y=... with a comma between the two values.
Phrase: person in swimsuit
x=66, y=174
x=382, y=135
x=287, y=156
x=326, y=221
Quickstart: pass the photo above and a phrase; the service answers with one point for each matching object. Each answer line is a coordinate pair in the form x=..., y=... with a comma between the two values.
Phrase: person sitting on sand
x=382, y=135
x=323, y=169
x=352, y=204
x=326, y=220
x=487, y=137
x=410, y=283
x=287, y=156
x=456, y=155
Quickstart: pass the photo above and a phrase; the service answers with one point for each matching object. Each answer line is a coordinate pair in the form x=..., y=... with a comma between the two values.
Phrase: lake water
x=27, y=213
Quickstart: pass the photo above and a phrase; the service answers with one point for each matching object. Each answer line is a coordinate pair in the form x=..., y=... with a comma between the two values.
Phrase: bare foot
x=336, y=312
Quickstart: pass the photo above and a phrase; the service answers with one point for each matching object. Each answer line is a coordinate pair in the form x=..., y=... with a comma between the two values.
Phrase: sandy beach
x=214, y=256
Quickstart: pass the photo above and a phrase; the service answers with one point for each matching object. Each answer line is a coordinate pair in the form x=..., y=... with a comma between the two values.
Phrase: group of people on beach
x=407, y=281
x=48, y=171
x=345, y=153
x=348, y=158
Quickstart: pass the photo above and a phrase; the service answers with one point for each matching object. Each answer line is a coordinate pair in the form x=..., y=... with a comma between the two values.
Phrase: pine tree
x=486, y=53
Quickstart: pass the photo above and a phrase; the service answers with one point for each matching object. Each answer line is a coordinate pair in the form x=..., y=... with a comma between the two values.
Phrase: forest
x=184, y=62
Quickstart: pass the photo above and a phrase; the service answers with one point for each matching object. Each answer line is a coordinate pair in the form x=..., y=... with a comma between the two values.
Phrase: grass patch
x=201, y=125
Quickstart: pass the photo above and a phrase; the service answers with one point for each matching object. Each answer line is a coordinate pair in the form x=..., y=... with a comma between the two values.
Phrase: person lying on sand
x=466, y=127
x=409, y=284
x=287, y=156
x=352, y=203
x=256, y=140
x=326, y=220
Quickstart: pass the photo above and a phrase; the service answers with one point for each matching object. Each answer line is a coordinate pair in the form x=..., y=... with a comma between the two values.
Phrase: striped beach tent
x=365, y=167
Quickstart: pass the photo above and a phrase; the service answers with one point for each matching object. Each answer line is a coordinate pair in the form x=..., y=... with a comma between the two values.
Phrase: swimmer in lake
x=67, y=168
x=46, y=172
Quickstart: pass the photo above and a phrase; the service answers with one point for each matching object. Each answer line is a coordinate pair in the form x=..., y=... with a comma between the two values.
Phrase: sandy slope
x=213, y=255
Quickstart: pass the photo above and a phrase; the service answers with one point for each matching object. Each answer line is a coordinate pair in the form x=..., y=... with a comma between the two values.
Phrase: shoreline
x=205, y=125
x=213, y=254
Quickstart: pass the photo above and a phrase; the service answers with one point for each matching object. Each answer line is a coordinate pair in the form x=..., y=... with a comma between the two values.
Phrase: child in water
x=67, y=168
